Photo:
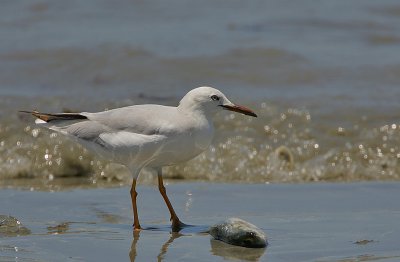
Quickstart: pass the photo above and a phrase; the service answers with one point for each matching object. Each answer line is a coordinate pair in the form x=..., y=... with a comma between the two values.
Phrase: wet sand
x=303, y=222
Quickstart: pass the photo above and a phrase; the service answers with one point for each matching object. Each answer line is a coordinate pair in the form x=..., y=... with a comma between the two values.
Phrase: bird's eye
x=214, y=97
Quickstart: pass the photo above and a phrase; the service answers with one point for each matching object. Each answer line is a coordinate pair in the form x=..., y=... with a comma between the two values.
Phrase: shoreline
x=84, y=183
x=303, y=222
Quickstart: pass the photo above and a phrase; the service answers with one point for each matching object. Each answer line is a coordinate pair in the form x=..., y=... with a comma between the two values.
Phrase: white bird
x=149, y=135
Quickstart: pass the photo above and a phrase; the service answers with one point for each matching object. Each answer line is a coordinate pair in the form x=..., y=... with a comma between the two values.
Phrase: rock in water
x=10, y=227
x=238, y=232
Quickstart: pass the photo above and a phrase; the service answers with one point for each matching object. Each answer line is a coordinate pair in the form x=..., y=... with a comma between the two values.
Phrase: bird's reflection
x=163, y=250
x=133, y=252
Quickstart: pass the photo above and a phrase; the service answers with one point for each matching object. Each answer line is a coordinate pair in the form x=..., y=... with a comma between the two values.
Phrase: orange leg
x=176, y=223
x=136, y=224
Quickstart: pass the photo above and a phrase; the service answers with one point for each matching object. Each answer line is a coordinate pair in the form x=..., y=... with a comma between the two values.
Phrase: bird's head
x=210, y=101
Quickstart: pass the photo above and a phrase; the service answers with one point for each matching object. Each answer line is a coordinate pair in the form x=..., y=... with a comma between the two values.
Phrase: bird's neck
x=194, y=110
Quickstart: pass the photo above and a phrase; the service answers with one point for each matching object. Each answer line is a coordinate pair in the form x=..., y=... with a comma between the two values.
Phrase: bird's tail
x=46, y=117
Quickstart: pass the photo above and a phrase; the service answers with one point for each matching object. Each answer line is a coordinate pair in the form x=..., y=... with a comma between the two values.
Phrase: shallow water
x=309, y=222
x=323, y=78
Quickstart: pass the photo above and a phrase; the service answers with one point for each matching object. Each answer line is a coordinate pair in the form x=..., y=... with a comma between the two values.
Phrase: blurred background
x=323, y=76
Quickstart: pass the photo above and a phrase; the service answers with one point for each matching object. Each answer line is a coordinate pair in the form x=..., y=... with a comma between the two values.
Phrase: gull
x=151, y=136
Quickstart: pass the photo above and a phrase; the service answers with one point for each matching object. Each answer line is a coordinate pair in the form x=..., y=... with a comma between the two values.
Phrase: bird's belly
x=155, y=150
x=129, y=149
x=181, y=150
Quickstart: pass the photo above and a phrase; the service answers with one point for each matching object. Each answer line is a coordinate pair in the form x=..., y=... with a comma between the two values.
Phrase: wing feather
x=121, y=127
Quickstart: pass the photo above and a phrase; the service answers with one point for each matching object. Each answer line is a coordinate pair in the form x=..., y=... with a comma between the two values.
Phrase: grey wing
x=86, y=130
x=121, y=127
x=104, y=139
x=139, y=119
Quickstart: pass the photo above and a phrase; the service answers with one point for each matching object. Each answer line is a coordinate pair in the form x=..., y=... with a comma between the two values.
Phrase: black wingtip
x=50, y=117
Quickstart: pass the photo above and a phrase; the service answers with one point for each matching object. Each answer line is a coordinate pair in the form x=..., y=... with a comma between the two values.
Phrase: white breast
x=185, y=146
